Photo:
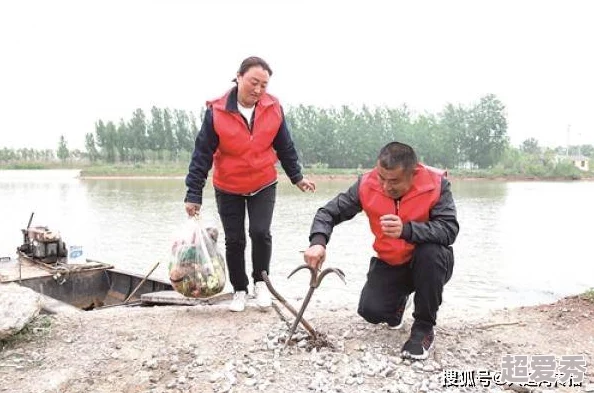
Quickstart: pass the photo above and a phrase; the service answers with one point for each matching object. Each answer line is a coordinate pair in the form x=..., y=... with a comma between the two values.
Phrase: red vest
x=415, y=205
x=244, y=161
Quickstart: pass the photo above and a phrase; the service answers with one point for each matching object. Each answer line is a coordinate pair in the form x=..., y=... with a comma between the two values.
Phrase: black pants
x=232, y=209
x=427, y=273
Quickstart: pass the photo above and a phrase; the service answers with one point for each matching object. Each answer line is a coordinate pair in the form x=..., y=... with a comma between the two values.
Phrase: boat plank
x=11, y=272
x=173, y=297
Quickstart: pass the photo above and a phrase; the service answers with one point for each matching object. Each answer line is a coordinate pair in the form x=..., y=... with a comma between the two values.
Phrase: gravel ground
x=208, y=349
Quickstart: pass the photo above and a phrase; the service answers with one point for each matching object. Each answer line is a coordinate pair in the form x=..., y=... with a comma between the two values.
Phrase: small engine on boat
x=41, y=243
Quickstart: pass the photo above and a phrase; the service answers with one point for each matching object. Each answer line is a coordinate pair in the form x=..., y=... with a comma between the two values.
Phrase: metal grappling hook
x=314, y=282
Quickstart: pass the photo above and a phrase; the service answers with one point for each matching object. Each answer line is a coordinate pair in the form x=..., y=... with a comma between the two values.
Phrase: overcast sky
x=65, y=64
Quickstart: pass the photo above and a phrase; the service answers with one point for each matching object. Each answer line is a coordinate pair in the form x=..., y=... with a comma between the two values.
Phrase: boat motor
x=41, y=243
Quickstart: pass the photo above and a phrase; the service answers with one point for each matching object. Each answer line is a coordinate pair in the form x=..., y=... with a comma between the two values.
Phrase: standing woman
x=244, y=132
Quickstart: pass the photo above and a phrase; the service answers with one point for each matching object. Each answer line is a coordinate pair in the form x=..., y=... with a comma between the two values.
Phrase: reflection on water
x=520, y=242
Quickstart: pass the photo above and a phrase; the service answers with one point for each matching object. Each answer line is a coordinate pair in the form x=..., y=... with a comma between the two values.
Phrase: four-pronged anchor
x=314, y=282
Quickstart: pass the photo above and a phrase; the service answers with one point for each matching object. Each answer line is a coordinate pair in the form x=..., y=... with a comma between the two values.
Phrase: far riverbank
x=179, y=170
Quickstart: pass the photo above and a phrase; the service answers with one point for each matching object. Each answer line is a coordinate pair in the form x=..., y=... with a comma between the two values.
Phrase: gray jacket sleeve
x=343, y=207
x=442, y=227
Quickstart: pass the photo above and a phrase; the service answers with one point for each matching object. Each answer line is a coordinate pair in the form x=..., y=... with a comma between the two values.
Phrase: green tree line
x=160, y=137
x=335, y=138
x=343, y=138
x=468, y=137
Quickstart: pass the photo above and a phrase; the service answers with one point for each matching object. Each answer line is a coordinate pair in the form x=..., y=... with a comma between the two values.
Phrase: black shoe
x=418, y=345
x=404, y=304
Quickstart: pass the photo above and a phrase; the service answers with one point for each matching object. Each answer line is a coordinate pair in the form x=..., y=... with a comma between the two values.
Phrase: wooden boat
x=42, y=264
x=85, y=286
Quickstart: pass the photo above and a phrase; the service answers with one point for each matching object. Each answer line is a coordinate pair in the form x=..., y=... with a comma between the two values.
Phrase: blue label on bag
x=75, y=251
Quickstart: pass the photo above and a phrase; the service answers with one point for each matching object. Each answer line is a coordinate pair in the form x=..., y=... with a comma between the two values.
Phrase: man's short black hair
x=396, y=154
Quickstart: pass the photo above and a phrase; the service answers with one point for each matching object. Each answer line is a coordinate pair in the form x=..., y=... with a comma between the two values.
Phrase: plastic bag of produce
x=197, y=268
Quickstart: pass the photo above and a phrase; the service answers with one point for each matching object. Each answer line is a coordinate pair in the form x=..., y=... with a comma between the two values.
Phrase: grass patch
x=180, y=169
x=24, y=165
x=39, y=328
x=588, y=295
x=510, y=174
x=316, y=170
x=38, y=165
x=157, y=169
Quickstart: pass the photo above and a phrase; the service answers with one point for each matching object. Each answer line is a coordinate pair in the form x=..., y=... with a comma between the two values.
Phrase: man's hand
x=315, y=256
x=306, y=185
x=391, y=225
x=192, y=209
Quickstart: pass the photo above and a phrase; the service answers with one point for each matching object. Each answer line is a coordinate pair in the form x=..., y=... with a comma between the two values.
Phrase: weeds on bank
x=40, y=327
x=588, y=295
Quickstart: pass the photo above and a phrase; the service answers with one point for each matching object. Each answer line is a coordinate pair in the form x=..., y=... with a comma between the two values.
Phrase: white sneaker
x=263, y=298
x=238, y=302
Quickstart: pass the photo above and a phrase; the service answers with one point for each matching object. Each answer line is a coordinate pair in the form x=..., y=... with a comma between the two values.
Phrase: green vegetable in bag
x=197, y=268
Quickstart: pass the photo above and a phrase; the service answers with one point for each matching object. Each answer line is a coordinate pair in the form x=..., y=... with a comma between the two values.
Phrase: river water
x=520, y=243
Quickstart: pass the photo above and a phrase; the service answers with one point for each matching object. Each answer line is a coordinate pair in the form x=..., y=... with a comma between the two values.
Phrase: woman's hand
x=192, y=209
x=306, y=185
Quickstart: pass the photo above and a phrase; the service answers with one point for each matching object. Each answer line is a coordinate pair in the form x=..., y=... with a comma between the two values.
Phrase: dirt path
x=207, y=349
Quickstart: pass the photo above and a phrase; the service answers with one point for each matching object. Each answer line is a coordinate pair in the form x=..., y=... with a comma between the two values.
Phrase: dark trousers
x=232, y=209
x=427, y=273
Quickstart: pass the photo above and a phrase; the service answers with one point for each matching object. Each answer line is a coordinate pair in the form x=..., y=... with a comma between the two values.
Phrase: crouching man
x=412, y=215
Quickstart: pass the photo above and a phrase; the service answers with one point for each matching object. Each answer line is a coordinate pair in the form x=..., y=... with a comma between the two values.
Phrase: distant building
x=580, y=162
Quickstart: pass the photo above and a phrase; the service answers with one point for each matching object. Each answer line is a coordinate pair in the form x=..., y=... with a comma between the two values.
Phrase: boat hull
x=97, y=286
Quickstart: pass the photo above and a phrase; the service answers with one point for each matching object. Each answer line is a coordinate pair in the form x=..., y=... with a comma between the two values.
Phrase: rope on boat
x=61, y=271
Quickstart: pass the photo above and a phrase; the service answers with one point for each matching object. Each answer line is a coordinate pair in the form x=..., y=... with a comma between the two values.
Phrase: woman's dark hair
x=396, y=154
x=253, y=61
